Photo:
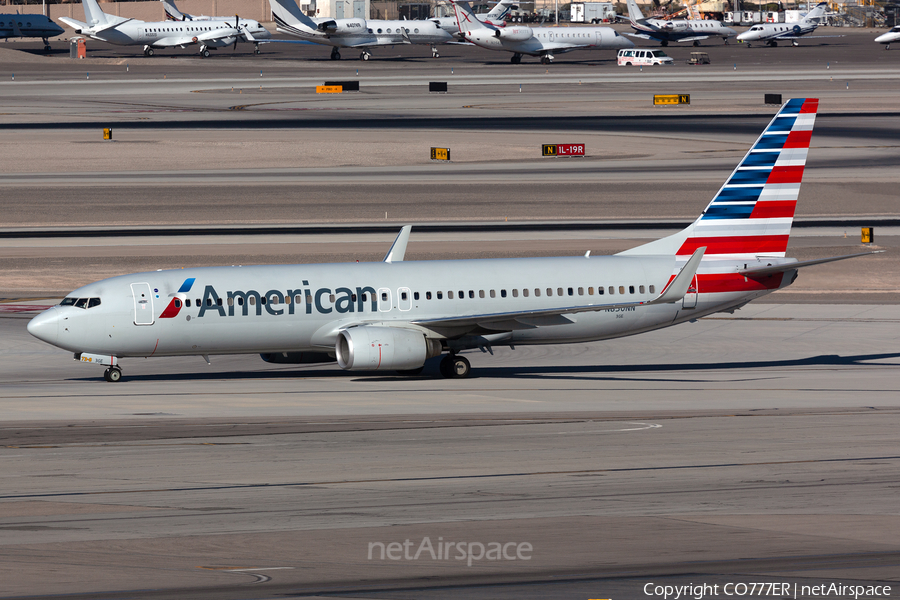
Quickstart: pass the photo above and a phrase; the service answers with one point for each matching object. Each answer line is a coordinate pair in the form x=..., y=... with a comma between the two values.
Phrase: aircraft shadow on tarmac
x=587, y=372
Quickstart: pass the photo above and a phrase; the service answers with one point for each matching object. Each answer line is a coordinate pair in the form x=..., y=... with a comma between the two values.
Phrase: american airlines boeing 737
x=396, y=314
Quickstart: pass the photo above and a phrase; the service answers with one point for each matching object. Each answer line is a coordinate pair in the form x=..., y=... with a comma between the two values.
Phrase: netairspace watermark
x=441, y=550
x=764, y=590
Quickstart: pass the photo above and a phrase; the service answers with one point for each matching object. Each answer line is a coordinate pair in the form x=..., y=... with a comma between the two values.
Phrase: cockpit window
x=81, y=302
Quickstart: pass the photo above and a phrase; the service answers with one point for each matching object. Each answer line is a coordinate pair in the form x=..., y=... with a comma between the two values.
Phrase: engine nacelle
x=297, y=358
x=344, y=26
x=514, y=34
x=373, y=348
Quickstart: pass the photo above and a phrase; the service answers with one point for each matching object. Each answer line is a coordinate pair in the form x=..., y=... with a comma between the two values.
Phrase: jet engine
x=371, y=348
x=344, y=26
x=297, y=358
x=514, y=34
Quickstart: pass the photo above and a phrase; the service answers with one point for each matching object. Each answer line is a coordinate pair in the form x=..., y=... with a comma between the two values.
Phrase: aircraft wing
x=73, y=23
x=695, y=38
x=530, y=319
x=643, y=36
x=790, y=266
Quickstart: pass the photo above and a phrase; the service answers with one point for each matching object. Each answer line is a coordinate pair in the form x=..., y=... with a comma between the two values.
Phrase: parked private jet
x=395, y=314
x=535, y=41
x=772, y=33
x=497, y=18
x=357, y=33
x=681, y=30
x=164, y=34
x=890, y=36
x=26, y=26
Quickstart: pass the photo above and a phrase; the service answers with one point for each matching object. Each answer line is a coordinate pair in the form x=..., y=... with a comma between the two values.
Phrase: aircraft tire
x=696, y=44
x=113, y=374
x=664, y=43
x=205, y=54
x=460, y=367
x=256, y=51
x=364, y=56
x=148, y=52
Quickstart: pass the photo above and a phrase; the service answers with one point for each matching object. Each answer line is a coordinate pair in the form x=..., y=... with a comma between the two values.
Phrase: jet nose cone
x=45, y=326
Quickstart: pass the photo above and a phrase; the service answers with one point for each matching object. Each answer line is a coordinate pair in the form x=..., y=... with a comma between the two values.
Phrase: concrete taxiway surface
x=621, y=463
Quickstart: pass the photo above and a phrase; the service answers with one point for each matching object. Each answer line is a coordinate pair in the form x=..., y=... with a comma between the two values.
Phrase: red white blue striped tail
x=751, y=215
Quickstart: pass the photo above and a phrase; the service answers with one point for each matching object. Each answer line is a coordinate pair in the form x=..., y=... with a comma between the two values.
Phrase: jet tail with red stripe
x=751, y=215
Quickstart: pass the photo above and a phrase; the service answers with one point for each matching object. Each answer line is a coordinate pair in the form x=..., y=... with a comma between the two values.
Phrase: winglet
x=679, y=286
x=398, y=248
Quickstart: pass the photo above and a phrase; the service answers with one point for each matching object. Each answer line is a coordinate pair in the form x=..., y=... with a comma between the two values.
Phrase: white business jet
x=535, y=41
x=497, y=18
x=675, y=30
x=772, y=33
x=356, y=33
x=26, y=26
x=890, y=36
x=394, y=315
x=164, y=34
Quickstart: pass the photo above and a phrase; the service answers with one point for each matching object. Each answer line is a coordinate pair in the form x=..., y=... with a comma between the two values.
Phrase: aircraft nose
x=45, y=326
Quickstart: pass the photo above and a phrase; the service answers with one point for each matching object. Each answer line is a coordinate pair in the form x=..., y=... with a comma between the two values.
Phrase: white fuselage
x=301, y=308
x=888, y=37
x=167, y=34
x=551, y=40
x=678, y=30
x=362, y=33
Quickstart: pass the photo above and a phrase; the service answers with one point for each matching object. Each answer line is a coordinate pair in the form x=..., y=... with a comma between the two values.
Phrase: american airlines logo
x=275, y=302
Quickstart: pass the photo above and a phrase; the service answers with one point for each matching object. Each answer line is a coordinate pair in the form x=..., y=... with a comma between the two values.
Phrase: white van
x=634, y=56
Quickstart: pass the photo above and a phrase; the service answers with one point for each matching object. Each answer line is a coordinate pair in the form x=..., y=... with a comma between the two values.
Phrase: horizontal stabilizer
x=790, y=266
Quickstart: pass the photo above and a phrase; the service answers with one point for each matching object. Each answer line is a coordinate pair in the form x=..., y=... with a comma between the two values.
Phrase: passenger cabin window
x=440, y=295
x=600, y=290
x=621, y=289
x=641, y=289
x=503, y=293
x=630, y=289
x=493, y=293
x=450, y=295
x=581, y=291
x=415, y=296
x=559, y=291
x=525, y=292
x=612, y=290
x=515, y=293
x=471, y=293
x=187, y=302
x=428, y=295
x=537, y=292
x=481, y=293
x=571, y=292
x=652, y=289
x=383, y=297
x=177, y=303
x=549, y=291
x=403, y=296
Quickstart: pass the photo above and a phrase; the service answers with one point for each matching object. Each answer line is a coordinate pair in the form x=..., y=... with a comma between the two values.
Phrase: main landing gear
x=335, y=55
x=363, y=55
x=664, y=43
x=112, y=374
x=148, y=51
x=434, y=52
x=204, y=52
x=696, y=44
x=453, y=366
x=546, y=59
x=516, y=58
x=255, y=48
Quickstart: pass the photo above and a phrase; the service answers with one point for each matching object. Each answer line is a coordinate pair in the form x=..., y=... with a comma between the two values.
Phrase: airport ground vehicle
x=638, y=57
x=593, y=12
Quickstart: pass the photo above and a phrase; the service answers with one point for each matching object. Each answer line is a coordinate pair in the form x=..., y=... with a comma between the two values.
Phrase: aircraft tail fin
x=634, y=13
x=500, y=11
x=466, y=18
x=752, y=213
x=93, y=14
x=288, y=16
x=172, y=12
x=817, y=14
